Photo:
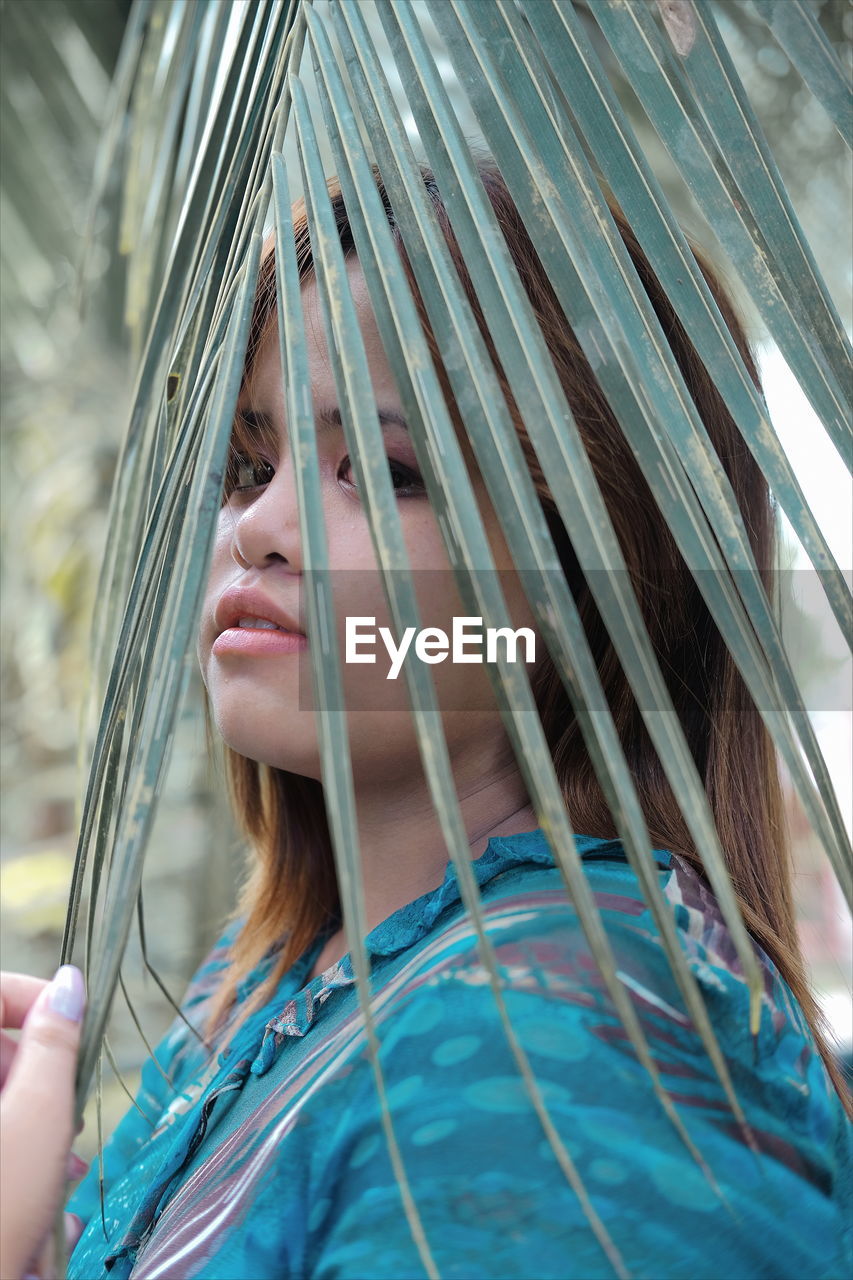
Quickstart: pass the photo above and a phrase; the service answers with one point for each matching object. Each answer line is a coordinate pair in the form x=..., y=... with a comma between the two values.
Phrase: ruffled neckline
x=409, y=924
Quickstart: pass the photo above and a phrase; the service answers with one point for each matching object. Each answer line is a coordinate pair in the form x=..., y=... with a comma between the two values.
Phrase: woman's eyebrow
x=327, y=419
x=330, y=418
x=255, y=421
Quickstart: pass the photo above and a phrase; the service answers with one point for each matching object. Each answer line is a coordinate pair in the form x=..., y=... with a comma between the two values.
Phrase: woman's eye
x=406, y=483
x=246, y=473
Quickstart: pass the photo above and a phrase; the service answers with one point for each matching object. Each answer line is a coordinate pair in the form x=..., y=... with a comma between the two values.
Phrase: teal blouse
x=269, y=1161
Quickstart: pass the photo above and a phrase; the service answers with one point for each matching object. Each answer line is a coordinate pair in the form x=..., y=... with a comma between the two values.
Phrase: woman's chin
x=292, y=748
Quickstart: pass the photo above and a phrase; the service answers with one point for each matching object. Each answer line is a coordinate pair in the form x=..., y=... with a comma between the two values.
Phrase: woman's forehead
x=264, y=388
x=265, y=378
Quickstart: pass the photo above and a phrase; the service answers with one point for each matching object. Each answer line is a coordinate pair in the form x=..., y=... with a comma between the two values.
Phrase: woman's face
x=261, y=694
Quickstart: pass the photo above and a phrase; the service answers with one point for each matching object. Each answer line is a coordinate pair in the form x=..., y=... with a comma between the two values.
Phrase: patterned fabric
x=269, y=1161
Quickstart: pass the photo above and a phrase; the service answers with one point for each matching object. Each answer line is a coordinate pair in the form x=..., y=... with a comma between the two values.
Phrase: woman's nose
x=267, y=529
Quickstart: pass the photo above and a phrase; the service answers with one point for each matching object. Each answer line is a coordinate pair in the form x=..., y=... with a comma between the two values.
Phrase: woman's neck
x=403, y=851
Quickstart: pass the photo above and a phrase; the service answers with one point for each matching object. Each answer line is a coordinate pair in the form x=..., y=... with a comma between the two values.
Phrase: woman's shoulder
x=482, y=1146
x=183, y=1049
x=558, y=1004
x=535, y=927
x=208, y=974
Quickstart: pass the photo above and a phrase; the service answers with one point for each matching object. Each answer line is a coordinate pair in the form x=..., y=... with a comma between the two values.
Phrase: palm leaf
x=601, y=122
x=705, y=122
x=637, y=395
x=192, y=215
x=795, y=26
x=502, y=465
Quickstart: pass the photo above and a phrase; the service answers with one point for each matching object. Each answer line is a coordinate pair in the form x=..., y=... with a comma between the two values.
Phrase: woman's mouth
x=263, y=623
x=258, y=637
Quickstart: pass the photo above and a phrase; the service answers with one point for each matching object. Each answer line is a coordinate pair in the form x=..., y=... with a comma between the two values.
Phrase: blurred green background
x=65, y=397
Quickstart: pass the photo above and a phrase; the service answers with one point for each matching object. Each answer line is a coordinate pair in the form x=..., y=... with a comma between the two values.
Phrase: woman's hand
x=36, y=1112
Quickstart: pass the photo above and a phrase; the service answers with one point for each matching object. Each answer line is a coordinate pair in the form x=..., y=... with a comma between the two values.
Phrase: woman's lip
x=258, y=641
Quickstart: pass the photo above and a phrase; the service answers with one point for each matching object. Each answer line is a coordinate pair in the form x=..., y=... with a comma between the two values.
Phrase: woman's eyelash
x=246, y=473
x=411, y=485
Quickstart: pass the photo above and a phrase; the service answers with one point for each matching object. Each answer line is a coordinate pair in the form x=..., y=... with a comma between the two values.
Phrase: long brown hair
x=291, y=893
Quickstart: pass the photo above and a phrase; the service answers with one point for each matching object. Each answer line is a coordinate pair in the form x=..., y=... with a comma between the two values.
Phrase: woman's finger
x=44, y=1266
x=18, y=994
x=8, y=1048
x=37, y=1110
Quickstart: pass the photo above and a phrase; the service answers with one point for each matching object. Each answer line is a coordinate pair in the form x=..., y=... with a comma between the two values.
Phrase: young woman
x=265, y=1157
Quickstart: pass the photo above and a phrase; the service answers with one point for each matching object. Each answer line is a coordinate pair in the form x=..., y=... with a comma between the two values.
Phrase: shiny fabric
x=269, y=1160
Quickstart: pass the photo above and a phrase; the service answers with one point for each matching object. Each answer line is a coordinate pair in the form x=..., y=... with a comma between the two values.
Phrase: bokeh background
x=64, y=402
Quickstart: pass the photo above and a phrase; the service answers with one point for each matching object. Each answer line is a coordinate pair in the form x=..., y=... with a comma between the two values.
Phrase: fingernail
x=67, y=993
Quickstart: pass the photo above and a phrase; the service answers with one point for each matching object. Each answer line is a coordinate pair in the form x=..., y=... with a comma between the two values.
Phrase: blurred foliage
x=64, y=404
x=65, y=396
